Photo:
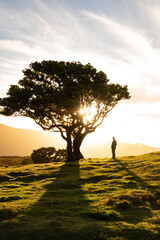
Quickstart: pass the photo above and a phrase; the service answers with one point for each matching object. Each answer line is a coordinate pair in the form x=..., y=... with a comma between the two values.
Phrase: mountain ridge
x=21, y=142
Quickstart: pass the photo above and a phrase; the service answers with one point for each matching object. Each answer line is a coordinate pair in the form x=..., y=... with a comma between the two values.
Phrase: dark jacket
x=114, y=144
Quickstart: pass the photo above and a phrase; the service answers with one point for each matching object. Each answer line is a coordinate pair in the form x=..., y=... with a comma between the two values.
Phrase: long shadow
x=59, y=213
x=141, y=182
x=138, y=207
x=64, y=192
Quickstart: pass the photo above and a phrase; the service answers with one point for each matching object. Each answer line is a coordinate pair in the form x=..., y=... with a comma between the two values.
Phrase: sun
x=88, y=113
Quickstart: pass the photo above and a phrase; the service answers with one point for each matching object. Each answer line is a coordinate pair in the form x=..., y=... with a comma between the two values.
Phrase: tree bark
x=76, y=146
x=70, y=153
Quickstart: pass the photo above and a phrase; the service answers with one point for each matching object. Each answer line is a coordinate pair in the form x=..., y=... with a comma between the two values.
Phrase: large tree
x=67, y=97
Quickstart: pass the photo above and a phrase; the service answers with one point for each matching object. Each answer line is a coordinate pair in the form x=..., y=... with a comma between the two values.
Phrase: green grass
x=93, y=199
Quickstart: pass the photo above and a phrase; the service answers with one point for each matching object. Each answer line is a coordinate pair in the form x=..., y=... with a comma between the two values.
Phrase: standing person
x=113, y=147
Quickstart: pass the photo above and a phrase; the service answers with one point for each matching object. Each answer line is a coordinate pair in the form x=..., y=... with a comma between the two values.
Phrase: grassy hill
x=93, y=199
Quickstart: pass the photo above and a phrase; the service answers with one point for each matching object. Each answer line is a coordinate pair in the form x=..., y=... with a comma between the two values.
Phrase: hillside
x=21, y=142
x=93, y=199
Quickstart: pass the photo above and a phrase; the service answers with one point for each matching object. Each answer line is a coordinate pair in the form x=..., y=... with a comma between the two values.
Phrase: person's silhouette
x=113, y=147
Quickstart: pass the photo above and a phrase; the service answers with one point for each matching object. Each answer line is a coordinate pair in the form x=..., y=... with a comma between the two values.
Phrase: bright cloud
x=141, y=58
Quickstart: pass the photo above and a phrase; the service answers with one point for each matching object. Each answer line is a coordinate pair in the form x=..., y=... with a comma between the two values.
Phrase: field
x=6, y=161
x=93, y=199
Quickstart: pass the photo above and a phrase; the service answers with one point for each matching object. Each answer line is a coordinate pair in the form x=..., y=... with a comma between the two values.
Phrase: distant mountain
x=123, y=149
x=21, y=142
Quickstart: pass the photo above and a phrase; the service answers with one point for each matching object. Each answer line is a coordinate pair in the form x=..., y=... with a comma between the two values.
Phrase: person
x=113, y=147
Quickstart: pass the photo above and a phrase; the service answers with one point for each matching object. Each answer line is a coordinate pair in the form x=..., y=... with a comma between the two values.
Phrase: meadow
x=90, y=199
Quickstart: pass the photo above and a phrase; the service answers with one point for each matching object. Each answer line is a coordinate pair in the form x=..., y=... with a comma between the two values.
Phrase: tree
x=43, y=155
x=61, y=155
x=67, y=97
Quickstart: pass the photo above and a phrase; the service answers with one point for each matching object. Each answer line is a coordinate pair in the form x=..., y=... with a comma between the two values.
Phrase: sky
x=119, y=37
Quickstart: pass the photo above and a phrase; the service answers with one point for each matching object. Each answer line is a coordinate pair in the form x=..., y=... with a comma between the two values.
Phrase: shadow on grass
x=63, y=212
x=60, y=213
x=139, y=205
x=63, y=193
x=140, y=182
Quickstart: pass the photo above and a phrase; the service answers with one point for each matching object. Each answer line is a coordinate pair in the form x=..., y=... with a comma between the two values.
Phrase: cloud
x=152, y=12
x=155, y=117
x=43, y=32
x=135, y=58
x=146, y=94
x=131, y=38
x=35, y=32
x=19, y=47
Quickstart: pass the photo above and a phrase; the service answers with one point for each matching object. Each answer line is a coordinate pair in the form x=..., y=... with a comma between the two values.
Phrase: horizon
x=35, y=139
x=41, y=130
x=119, y=38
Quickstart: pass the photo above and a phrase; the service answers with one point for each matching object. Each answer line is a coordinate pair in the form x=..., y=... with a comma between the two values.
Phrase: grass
x=6, y=161
x=93, y=199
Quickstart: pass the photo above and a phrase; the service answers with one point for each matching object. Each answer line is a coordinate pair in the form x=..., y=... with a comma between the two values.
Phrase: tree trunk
x=70, y=153
x=76, y=146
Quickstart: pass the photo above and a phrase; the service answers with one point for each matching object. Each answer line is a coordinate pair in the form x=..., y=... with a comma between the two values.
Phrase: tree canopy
x=48, y=154
x=67, y=97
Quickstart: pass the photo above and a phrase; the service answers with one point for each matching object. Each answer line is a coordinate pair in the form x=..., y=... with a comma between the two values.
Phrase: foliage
x=49, y=154
x=67, y=97
x=61, y=155
x=60, y=200
x=43, y=155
